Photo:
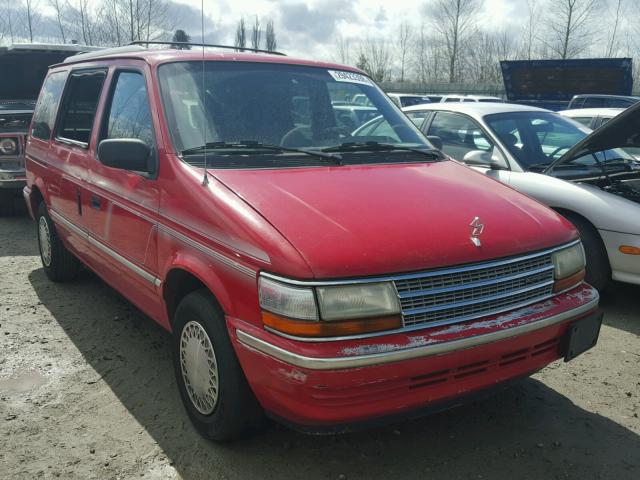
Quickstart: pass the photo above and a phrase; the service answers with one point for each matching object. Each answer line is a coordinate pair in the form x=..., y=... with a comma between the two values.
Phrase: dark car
x=602, y=101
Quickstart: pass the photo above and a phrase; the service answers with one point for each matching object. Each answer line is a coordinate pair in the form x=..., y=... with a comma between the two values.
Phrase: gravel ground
x=87, y=391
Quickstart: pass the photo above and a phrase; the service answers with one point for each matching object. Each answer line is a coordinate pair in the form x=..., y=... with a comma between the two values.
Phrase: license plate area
x=582, y=335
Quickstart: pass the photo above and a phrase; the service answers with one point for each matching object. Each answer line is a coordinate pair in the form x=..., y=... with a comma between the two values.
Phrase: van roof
x=156, y=56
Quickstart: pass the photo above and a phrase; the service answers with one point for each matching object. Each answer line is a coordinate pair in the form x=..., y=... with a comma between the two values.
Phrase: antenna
x=205, y=178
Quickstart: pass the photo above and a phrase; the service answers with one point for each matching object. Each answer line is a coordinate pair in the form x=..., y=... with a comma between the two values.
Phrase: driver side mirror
x=435, y=141
x=481, y=158
x=126, y=154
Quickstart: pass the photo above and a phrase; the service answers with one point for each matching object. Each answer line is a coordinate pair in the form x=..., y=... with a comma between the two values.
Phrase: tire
x=232, y=410
x=598, y=268
x=7, y=203
x=59, y=263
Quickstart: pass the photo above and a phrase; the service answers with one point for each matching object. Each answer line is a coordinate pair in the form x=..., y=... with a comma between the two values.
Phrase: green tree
x=181, y=37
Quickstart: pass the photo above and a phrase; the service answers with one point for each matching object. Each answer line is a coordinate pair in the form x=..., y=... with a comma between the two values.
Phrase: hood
x=622, y=131
x=379, y=219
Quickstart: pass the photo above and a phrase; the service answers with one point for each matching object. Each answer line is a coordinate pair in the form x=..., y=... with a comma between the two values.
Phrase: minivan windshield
x=212, y=105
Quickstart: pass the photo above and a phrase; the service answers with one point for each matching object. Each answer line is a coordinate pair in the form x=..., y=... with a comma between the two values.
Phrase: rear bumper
x=332, y=384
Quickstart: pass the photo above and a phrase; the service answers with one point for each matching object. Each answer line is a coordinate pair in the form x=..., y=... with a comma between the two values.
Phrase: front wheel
x=212, y=384
x=59, y=263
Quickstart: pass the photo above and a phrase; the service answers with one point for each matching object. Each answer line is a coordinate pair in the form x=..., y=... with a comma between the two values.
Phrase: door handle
x=95, y=202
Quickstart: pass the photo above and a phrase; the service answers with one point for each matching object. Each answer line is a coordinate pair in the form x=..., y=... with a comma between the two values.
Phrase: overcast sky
x=309, y=28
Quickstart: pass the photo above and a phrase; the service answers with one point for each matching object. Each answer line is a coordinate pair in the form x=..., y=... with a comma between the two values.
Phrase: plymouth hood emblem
x=477, y=227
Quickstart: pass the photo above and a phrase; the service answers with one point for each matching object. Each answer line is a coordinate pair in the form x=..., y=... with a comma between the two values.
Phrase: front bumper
x=320, y=384
x=12, y=179
x=624, y=267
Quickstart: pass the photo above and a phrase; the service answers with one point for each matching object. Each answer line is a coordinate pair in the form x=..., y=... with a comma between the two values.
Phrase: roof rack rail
x=102, y=52
x=227, y=47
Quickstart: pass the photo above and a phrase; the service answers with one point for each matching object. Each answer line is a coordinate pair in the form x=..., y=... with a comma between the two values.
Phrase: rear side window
x=129, y=113
x=575, y=103
x=79, y=106
x=620, y=103
x=586, y=121
x=45, y=112
x=596, y=102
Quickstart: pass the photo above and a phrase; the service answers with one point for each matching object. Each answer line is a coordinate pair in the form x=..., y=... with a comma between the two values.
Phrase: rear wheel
x=598, y=268
x=59, y=263
x=212, y=385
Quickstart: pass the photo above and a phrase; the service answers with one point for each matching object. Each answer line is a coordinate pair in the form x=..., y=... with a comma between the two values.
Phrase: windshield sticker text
x=350, y=77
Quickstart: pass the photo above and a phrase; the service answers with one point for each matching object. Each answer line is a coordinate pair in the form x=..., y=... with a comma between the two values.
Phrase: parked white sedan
x=586, y=178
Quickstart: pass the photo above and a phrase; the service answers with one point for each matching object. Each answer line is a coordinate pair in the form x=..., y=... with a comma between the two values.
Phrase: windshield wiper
x=252, y=144
x=381, y=147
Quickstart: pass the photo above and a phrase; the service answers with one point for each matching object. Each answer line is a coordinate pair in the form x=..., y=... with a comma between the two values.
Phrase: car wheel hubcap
x=45, y=241
x=199, y=367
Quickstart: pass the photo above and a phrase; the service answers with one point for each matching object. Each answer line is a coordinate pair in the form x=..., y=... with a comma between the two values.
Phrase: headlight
x=8, y=146
x=568, y=261
x=569, y=267
x=329, y=311
x=358, y=301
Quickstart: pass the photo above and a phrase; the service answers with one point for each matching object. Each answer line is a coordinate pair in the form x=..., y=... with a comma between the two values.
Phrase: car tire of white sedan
x=598, y=267
x=211, y=382
x=59, y=263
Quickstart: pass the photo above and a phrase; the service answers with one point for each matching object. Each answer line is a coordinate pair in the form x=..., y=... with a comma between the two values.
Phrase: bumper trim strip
x=341, y=363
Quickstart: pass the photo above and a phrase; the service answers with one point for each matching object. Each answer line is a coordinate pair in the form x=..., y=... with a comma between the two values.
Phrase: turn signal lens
x=567, y=283
x=629, y=250
x=287, y=300
x=302, y=328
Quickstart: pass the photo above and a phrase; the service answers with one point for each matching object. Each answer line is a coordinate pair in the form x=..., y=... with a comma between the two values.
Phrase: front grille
x=455, y=295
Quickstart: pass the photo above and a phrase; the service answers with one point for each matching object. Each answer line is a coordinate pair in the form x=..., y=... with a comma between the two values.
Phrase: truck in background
x=551, y=84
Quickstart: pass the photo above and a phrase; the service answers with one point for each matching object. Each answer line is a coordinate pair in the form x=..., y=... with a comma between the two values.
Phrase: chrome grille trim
x=444, y=297
x=435, y=291
x=483, y=299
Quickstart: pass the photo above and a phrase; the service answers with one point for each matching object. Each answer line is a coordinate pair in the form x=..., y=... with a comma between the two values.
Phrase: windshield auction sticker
x=350, y=77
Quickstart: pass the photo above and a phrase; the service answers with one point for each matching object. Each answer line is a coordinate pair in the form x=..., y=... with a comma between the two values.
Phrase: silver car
x=587, y=178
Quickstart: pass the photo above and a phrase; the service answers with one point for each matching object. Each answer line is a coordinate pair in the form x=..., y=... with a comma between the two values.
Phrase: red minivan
x=329, y=279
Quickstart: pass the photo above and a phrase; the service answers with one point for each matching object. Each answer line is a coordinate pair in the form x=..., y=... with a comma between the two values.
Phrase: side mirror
x=126, y=154
x=480, y=158
x=435, y=141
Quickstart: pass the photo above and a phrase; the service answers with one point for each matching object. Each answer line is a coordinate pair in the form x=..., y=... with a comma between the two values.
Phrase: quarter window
x=129, y=113
x=45, y=112
x=79, y=109
x=418, y=117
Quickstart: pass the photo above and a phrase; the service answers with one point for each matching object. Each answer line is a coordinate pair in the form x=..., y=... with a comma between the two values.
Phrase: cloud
x=381, y=17
x=316, y=23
